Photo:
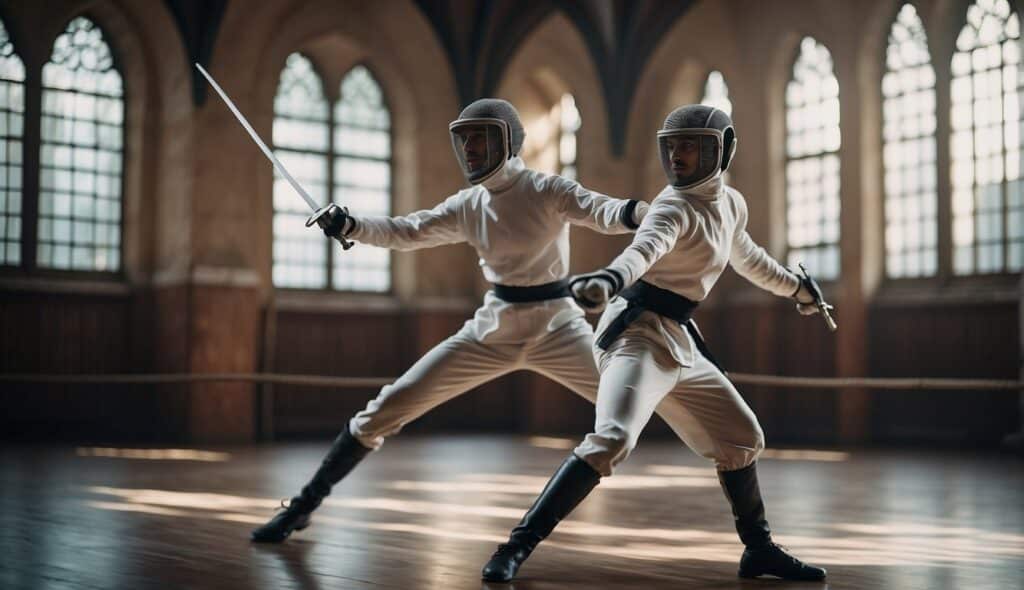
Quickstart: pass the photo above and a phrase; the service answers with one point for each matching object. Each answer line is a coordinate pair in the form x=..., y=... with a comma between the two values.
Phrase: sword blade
x=255, y=137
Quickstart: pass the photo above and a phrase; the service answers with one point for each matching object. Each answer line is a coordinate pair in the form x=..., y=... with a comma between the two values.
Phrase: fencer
x=518, y=221
x=651, y=354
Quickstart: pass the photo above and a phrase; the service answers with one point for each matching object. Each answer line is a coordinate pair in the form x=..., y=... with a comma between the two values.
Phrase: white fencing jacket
x=683, y=245
x=518, y=222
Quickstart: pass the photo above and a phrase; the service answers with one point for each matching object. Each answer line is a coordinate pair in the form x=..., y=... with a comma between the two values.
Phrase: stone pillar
x=861, y=234
x=207, y=294
x=224, y=329
x=1015, y=441
x=208, y=322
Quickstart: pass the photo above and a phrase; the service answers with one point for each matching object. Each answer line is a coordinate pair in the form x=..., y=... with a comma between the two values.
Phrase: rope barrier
x=172, y=378
x=877, y=383
x=350, y=382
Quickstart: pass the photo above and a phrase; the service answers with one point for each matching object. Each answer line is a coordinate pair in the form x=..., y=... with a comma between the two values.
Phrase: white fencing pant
x=550, y=338
x=699, y=401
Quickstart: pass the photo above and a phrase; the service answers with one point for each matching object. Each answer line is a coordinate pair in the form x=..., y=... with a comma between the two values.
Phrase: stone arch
x=14, y=33
x=783, y=61
x=148, y=54
x=551, y=61
x=870, y=68
x=949, y=18
x=675, y=75
x=337, y=37
x=546, y=66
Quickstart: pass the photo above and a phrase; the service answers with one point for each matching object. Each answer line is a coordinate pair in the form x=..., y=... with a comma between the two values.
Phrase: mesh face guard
x=482, y=146
x=690, y=156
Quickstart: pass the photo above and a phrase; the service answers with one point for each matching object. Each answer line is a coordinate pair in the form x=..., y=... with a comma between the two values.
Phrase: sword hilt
x=831, y=323
x=324, y=217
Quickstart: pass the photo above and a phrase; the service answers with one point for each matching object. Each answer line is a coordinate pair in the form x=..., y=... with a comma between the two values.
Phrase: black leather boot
x=762, y=556
x=346, y=452
x=566, y=488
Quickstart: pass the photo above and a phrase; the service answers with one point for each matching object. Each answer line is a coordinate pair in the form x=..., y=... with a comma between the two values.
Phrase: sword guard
x=318, y=215
x=325, y=216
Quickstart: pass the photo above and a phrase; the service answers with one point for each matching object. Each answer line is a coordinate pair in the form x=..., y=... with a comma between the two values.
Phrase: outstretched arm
x=657, y=235
x=597, y=211
x=663, y=224
x=753, y=263
x=422, y=229
x=757, y=266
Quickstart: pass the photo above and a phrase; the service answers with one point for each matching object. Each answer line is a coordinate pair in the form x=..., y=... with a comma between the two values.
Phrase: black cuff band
x=799, y=283
x=627, y=215
x=619, y=281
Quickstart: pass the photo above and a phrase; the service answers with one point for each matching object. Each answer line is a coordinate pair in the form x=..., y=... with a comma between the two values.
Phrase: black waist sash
x=643, y=296
x=553, y=290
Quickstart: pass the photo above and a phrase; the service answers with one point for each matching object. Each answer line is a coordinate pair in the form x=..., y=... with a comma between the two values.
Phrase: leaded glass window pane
x=569, y=125
x=908, y=91
x=82, y=153
x=12, y=123
x=716, y=94
x=988, y=207
x=301, y=141
x=812, y=167
x=362, y=176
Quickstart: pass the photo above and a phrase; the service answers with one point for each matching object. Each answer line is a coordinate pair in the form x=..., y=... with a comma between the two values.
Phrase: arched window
x=988, y=200
x=569, y=117
x=362, y=176
x=812, y=166
x=12, y=119
x=82, y=153
x=302, y=143
x=552, y=126
x=908, y=90
x=716, y=94
x=340, y=155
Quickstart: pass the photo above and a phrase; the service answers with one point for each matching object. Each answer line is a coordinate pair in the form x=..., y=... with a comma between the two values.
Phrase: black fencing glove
x=335, y=221
x=806, y=300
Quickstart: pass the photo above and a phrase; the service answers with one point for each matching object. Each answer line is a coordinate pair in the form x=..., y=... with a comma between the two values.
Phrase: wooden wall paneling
x=744, y=339
x=337, y=344
x=806, y=349
x=170, y=333
x=224, y=332
x=944, y=341
x=63, y=334
x=491, y=407
x=545, y=407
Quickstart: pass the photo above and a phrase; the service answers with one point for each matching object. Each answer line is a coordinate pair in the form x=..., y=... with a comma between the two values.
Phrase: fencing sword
x=819, y=299
x=319, y=213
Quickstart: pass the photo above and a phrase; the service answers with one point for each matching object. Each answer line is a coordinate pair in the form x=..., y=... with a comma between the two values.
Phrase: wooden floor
x=427, y=512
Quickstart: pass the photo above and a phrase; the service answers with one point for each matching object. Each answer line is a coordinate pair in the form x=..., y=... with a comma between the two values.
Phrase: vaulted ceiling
x=480, y=37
